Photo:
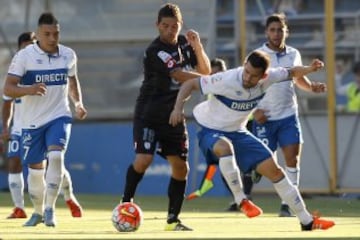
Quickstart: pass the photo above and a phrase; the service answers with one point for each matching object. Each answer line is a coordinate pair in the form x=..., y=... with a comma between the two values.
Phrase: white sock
x=231, y=173
x=16, y=186
x=290, y=194
x=53, y=178
x=66, y=186
x=36, y=188
x=293, y=176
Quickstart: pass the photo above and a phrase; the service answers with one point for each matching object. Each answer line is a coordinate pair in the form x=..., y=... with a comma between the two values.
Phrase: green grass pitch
x=206, y=215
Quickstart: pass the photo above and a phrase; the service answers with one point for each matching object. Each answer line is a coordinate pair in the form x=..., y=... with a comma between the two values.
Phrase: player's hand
x=193, y=39
x=260, y=116
x=318, y=87
x=80, y=111
x=317, y=64
x=176, y=116
x=37, y=89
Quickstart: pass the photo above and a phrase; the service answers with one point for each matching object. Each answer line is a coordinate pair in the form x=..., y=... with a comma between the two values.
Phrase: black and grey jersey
x=158, y=91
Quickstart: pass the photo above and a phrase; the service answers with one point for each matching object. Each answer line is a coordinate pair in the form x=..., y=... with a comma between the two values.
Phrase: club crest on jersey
x=164, y=56
x=147, y=145
x=39, y=61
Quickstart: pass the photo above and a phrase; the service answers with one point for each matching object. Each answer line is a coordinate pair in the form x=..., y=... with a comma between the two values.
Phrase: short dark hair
x=170, y=10
x=259, y=59
x=47, y=18
x=356, y=68
x=219, y=63
x=25, y=37
x=277, y=17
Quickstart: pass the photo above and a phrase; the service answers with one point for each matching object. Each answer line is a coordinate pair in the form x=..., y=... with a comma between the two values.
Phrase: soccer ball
x=127, y=217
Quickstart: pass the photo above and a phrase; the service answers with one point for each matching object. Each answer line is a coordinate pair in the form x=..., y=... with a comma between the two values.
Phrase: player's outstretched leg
x=291, y=195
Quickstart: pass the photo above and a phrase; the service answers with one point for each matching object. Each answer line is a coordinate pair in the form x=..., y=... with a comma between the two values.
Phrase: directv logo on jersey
x=52, y=77
x=244, y=106
x=239, y=105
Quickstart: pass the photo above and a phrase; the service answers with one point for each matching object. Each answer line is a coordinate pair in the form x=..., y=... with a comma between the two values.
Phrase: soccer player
x=10, y=111
x=11, y=116
x=44, y=75
x=170, y=60
x=224, y=137
x=219, y=65
x=276, y=117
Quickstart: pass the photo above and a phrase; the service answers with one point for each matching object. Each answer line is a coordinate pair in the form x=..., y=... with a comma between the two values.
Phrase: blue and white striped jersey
x=33, y=65
x=228, y=110
x=280, y=99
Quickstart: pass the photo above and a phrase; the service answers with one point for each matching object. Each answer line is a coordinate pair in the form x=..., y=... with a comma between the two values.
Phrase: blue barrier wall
x=100, y=153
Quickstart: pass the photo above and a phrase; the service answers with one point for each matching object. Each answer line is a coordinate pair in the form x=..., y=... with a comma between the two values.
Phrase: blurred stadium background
x=110, y=36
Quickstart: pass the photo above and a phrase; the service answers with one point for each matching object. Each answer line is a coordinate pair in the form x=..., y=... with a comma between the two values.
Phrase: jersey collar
x=265, y=46
x=40, y=51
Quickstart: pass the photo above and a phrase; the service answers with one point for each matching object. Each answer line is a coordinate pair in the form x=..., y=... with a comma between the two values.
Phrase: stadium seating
x=110, y=37
x=306, y=34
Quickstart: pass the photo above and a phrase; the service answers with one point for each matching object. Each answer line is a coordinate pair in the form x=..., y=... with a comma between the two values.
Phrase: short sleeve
x=278, y=74
x=73, y=65
x=17, y=65
x=214, y=84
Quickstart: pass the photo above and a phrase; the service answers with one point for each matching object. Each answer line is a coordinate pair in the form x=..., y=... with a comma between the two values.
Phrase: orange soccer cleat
x=318, y=223
x=17, y=213
x=75, y=208
x=249, y=208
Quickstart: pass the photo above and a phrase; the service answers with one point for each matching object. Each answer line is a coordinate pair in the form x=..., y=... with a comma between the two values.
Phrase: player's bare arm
x=7, y=113
x=299, y=71
x=181, y=75
x=76, y=97
x=177, y=115
x=310, y=86
x=203, y=62
x=12, y=89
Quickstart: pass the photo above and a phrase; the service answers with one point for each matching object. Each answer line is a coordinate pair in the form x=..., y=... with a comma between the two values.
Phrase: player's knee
x=292, y=162
x=180, y=169
x=223, y=148
x=276, y=175
x=15, y=165
x=142, y=162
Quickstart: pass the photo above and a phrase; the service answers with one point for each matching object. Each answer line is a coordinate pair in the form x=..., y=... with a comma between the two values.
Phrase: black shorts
x=164, y=138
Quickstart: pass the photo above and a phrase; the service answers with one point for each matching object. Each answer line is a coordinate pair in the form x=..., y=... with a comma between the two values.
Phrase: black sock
x=132, y=180
x=248, y=183
x=176, y=193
